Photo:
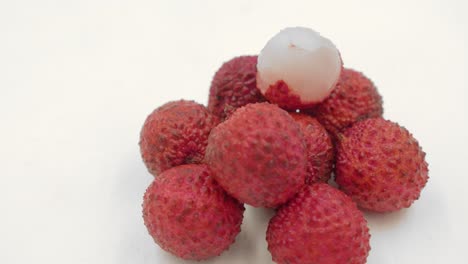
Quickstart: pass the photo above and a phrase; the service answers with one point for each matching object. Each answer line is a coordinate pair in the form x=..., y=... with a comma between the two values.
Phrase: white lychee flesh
x=307, y=62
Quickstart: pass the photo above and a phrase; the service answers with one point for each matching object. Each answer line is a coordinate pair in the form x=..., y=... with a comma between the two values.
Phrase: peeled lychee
x=234, y=85
x=355, y=98
x=298, y=68
x=174, y=134
x=319, y=225
x=189, y=215
x=380, y=165
x=258, y=155
x=320, y=156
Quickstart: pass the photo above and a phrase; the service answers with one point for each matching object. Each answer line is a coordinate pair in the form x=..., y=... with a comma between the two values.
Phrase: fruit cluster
x=277, y=127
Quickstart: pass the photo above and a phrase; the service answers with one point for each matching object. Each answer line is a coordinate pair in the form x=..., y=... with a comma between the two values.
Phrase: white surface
x=77, y=79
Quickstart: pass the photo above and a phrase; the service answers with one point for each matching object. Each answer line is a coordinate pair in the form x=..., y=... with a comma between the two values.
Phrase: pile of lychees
x=276, y=128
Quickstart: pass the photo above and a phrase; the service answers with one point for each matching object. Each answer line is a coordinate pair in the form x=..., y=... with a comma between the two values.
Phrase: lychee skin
x=258, y=155
x=380, y=165
x=174, y=134
x=354, y=98
x=189, y=215
x=319, y=225
x=234, y=85
x=320, y=149
x=281, y=94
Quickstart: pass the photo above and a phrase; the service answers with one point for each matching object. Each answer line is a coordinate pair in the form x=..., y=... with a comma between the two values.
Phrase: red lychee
x=319, y=225
x=380, y=165
x=174, y=134
x=354, y=98
x=234, y=85
x=189, y=215
x=319, y=146
x=258, y=155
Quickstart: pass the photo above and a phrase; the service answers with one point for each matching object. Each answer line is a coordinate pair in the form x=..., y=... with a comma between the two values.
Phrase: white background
x=78, y=78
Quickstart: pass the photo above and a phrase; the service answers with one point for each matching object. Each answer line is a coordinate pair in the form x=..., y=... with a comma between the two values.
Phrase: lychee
x=319, y=148
x=258, y=155
x=234, y=85
x=319, y=225
x=298, y=68
x=380, y=165
x=174, y=134
x=189, y=215
x=355, y=98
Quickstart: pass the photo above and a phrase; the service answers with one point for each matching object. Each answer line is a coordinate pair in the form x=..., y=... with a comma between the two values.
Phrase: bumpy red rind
x=234, y=85
x=354, y=98
x=380, y=165
x=319, y=225
x=175, y=134
x=258, y=155
x=189, y=215
x=320, y=157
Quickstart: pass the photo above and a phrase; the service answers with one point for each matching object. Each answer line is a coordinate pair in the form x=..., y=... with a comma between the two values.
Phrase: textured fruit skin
x=189, y=215
x=280, y=94
x=234, y=85
x=380, y=165
x=258, y=155
x=174, y=134
x=319, y=225
x=354, y=98
x=319, y=146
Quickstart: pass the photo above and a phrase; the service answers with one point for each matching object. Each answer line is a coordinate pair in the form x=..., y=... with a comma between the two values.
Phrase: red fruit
x=189, y=215
x=380, y=165
x=234, y=85
x=258, y=155
x=319, y=225
x=320, y=149
x=174, y=134
x=354, y=98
